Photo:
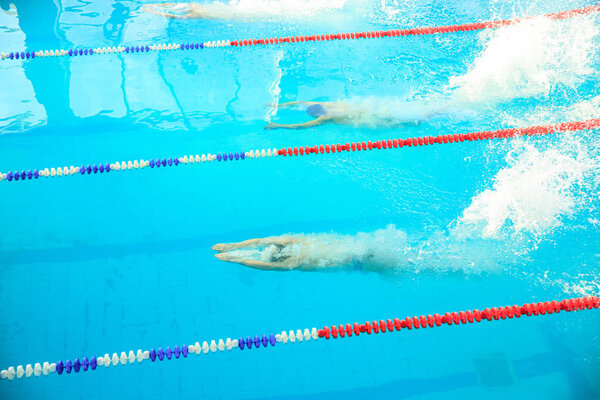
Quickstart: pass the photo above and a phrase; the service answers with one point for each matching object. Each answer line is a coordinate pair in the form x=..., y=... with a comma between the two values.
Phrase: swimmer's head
x=316, y=110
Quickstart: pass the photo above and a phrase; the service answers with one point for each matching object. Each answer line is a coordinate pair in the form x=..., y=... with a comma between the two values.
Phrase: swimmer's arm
x=235, y=246
x=148, y=8
x=283, y=240
x=265, y=266
x=315, y=122
x=295, y=103
x=254, y=263
x=167, y=15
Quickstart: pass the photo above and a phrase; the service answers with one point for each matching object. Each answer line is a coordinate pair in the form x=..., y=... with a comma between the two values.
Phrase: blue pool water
x=123, y=261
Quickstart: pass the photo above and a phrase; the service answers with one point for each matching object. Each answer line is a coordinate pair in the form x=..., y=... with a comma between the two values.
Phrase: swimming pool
x=111, y=262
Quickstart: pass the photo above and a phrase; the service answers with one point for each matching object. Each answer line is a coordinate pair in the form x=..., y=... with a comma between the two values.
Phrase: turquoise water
x=109, y=263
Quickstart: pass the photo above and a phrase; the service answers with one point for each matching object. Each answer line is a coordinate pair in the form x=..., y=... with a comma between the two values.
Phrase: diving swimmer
x=363, y=251
x=185, y=11
x=230, y=10
x=369, y=111
x=322, y=112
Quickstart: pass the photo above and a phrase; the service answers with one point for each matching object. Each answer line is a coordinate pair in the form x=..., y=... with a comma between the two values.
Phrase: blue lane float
x=88, y=51
x=157, y=354
x=15, y=176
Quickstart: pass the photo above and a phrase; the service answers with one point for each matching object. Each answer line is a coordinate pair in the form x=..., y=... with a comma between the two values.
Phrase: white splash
x=531, y=194
x=529, y=59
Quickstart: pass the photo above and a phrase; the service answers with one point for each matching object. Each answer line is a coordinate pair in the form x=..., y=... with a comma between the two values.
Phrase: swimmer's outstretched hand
x=228, y=257
x=223, y=247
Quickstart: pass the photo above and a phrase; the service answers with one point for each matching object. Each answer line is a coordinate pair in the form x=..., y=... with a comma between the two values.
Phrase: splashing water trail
x=528, y=59
x=531, y=194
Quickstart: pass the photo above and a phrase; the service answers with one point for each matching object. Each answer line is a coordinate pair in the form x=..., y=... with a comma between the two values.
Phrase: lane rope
x=301, y=336
x=131, y=165
x=476, y=26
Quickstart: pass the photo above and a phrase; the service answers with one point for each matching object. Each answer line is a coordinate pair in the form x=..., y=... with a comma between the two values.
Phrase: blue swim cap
x=316, y=110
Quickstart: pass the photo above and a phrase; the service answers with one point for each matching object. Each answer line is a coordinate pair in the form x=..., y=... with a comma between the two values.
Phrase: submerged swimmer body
x=188, y=11
x=306, y=252
x=323, y=112
x=241, y=10
x=358, y=113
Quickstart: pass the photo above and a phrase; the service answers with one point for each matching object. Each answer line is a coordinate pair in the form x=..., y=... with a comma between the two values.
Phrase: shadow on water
x=114, y=26
x=43, y=33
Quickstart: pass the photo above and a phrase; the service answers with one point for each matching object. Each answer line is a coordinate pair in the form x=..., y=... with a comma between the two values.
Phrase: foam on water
x=544, y=182
x=530, y=194
x=529, y=59
x=379, y=111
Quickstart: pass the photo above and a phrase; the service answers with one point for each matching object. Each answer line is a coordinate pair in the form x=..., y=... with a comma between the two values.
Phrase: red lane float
x=443, y=139
x=462, y=317
x=476, y=26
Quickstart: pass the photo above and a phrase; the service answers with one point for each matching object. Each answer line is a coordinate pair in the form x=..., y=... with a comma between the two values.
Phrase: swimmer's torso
x=372, y=111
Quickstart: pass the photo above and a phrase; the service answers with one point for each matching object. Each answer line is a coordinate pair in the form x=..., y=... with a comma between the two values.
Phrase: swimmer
x=322, y=112
x=361, y=112
x=181, y=11
x=236, y=10
x=310, y=252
